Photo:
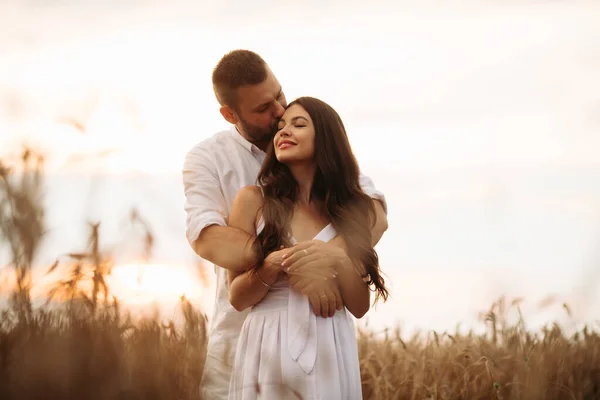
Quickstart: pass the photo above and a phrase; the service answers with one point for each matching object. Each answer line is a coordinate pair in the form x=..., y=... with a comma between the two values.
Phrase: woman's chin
x=292, y=159
x=285, y=159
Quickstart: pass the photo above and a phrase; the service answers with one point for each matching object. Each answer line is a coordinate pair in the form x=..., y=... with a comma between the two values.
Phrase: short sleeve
x=368, y=187
x=204, y=201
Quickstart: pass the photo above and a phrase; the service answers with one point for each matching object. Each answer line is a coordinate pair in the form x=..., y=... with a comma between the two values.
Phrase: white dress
x=286, y=352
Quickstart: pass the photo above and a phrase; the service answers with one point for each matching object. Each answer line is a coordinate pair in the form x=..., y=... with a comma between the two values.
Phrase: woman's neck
x=304, y=174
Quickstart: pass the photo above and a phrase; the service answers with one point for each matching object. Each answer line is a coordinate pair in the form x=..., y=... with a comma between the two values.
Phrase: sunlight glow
x=145, y=283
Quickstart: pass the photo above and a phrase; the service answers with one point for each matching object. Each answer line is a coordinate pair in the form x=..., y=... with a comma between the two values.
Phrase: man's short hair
x=236, y=69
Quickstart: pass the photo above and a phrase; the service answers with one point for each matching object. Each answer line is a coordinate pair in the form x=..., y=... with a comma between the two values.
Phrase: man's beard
x=255, y=133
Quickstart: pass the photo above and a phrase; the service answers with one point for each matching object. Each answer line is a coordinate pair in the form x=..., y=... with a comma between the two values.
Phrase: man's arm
x=226, y=247
x=381, y=223
x=206, y=210
x=379, y=201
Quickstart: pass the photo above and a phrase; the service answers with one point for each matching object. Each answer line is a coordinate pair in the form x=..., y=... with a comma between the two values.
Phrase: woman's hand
x=274, y=260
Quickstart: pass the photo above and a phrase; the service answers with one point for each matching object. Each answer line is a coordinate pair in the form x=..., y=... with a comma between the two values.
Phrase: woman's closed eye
x=295, y=126
x=280, y=127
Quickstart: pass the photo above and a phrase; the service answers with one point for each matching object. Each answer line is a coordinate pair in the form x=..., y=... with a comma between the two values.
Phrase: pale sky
x=479, y=120
x=508, y=82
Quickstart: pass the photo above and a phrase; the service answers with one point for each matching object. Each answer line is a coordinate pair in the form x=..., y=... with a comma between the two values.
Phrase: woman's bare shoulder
x=250, y=197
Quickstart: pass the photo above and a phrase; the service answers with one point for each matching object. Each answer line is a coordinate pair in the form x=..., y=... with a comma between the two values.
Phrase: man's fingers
x=308, y=273
x=324, y=305
x=315, y=302
x=324, y=296
x=299, y=283
x=334, y=292
x=338, y=298
x=306, y=276
x=296, y=251
x=298, y=259
x=312, y=289
x=331, y=302
x=293, y=280
x=300, y=246
x=311, y=266
x=307, y=284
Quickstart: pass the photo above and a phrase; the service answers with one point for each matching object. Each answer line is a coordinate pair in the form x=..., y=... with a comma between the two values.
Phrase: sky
x=479, y=121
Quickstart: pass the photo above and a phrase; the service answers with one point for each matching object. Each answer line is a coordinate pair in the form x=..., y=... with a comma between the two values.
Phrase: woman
x=308, y=188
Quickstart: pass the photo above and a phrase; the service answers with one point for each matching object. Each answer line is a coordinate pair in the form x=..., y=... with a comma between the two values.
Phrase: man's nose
x=279, y=110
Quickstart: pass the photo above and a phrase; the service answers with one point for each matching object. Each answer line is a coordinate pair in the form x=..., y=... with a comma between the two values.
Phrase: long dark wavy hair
x=336, y=186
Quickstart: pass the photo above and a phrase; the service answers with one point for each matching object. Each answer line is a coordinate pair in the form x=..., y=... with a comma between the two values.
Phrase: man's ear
x=229, y=115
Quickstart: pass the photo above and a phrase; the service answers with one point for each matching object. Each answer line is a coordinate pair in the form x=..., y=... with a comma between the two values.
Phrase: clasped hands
x=312, y=267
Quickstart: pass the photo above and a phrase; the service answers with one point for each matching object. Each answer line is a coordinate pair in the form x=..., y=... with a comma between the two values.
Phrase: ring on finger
x=324, y=295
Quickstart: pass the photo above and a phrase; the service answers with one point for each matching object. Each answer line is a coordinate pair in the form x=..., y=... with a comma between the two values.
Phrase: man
x=252, y=100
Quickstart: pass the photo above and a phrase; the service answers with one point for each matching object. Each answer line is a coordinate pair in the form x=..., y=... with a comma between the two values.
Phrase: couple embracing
x=279, y=205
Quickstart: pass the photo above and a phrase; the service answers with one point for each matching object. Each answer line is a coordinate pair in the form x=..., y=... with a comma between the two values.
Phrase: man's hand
x=312, y=268
x=324, y=295
x=276, y=260
x=313, y=255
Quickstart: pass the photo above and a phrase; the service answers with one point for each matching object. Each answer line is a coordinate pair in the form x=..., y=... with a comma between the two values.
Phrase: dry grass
x=506, y=363
x=89, y=349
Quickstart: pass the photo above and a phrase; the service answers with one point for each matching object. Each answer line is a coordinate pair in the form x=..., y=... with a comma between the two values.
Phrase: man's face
x=259, y=107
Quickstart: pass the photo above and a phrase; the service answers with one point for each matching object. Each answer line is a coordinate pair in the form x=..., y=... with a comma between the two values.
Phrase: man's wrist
x=343, y=263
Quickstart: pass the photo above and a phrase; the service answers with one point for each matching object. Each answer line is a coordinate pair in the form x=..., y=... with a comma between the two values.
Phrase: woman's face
x=294, y=141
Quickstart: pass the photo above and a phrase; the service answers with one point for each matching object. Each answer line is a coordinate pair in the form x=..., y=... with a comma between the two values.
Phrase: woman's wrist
x=268, y=273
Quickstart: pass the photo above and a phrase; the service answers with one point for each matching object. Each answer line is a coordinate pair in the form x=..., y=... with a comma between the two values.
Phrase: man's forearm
x=230, y=248
x=377, y=231
x=381, y=223
x=354, y=291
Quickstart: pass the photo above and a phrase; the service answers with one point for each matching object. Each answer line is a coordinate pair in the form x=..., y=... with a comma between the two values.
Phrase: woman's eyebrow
x=299, y=117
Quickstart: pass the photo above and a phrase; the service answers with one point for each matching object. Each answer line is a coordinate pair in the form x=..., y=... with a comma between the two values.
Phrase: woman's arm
x=246, y=288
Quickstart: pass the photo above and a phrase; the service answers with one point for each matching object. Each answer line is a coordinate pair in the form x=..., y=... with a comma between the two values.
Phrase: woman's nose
x=284, y=131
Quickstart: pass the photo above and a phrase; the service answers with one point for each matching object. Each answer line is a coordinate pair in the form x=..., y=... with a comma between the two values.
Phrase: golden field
x=87, y=347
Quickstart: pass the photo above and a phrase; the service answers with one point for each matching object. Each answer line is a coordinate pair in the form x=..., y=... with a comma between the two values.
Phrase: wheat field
x=89, y=348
